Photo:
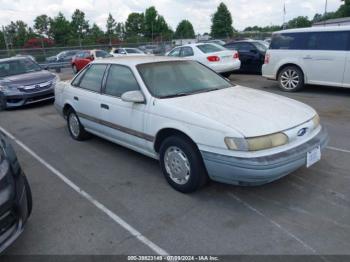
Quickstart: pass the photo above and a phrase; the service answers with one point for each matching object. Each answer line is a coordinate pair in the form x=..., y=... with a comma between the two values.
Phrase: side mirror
x=133, y=97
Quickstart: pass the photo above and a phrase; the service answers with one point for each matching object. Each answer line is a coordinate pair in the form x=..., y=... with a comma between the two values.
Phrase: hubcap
x=177, y=165
x=74, y=125
x=290, y=79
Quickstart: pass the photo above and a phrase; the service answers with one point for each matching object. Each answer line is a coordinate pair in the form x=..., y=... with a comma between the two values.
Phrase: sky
x=244, y=12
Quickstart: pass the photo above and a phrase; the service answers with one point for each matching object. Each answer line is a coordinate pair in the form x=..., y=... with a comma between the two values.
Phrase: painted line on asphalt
x=338, y=149
x=158, y=250
x=273, y=222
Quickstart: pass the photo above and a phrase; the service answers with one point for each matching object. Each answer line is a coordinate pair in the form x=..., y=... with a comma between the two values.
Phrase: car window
x=186, y=51
x=101, y=53
x=133, y=51
x=293, y=41
x=333, y=41
x=175, y=52
x=120, y=79
x=92, y=79
x=245, y=47
x=18, y=66
x=210, y=48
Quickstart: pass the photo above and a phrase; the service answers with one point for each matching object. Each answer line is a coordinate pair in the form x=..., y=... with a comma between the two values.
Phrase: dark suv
x=15, y=195
x=23, y=81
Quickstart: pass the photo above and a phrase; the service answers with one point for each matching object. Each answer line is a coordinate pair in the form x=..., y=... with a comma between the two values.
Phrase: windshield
x=211, y=48
x=102, y=54
x=133, y=51
x=17, y=67
x=261, y=47
x=179, y=78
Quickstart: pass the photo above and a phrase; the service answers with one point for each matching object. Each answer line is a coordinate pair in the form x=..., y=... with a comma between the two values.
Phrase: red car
x=81, y=59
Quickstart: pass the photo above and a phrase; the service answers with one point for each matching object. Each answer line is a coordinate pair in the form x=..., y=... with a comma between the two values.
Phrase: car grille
x=7, y=220
x=37, y=87
x=38, y=98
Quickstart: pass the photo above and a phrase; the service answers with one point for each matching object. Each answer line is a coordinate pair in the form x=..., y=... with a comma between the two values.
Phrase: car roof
x=196, y=44
x=315, y=29
x=136, y=60
x=13, y=58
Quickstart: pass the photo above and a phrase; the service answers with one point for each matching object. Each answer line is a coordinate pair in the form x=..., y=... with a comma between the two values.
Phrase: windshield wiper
x=176, y=95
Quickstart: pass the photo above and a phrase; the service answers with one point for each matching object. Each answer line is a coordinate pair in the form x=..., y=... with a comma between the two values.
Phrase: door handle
x=104, y=106
x=307, y=57
x=76, y=98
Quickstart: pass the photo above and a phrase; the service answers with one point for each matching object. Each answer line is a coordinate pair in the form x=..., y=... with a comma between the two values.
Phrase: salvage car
x=15, y=195
x=81, y=59
x=216, y=57
x=194, y=121
x=23, y=82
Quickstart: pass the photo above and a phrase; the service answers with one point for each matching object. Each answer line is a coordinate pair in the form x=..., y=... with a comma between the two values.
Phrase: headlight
x=316, y=121
x=256, y=143
x=3, y=88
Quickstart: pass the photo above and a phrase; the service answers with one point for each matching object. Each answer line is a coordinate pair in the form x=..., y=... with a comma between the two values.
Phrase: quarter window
x=292, y=41
x=333, y=41
x=120, y=80
x=175, y=52
x=92, y=79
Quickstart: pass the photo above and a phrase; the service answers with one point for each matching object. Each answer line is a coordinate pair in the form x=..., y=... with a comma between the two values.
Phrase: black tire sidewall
x=29, y=197
x=301, y=77
x=198, y=176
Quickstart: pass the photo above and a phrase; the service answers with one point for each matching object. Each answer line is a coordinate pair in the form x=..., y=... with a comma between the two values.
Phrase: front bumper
x=260, y=170
x=21, y=99
x=13, y=203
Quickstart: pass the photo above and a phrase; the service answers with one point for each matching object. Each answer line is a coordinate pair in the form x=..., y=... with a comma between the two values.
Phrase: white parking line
x=338, y=149
x=273, y=222
x=158, y=250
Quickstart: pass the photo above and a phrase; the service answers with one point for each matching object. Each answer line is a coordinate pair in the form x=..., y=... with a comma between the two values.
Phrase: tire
x=2, y=103
x=29, y=197
x=180, y=157
x=75, y=128
x=291, y=79
x=75, y=69
x=226, y=74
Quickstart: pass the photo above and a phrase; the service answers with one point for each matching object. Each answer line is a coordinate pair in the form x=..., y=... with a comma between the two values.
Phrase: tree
x=42, y=25
x=298, y=22
x=120, y=31
x=134, y=25
x=344, y=10
x=60, y=29
x=95, y=35
x=110, y=25
x=184, y=30
x=79, y=25
x=222, y=22
x=17, y=33
x=155, y=25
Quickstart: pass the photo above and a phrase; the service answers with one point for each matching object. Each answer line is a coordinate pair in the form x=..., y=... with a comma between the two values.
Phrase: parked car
x=64, y=56
x=15, y=195
x=216, y=57
x=151, y=49
x=215, y=41
x=315, y=55
x=81, y=59
x=193, y=120
x=251, y=53
x=26, y=56
x=116, y=52
x=23, y=82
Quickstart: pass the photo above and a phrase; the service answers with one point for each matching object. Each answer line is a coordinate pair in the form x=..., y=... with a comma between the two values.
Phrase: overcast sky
x=244, y=12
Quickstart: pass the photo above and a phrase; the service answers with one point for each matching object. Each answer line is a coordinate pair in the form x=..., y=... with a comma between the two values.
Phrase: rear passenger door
x=325, y=57
x=123, y=121
x=86, y=95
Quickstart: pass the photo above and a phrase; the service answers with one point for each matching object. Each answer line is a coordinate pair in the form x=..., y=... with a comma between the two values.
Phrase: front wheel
x=182, y=164
x=75, y=69
x=291, y=79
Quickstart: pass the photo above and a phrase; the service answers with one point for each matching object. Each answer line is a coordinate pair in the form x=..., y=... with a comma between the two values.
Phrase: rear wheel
x=76, y=129
x=291, y=79
x=182, y=164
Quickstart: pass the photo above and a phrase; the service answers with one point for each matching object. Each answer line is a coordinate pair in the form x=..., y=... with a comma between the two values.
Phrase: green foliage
x=299, y=22
x=42, y=25
x=79, y=26
x=134, y=25
x=110, y=25
x=155, y=26
x=184, y=30
x=222, y=22
x=60, y=29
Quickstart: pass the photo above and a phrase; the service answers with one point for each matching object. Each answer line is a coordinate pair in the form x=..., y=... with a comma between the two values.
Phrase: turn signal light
x=236, y=55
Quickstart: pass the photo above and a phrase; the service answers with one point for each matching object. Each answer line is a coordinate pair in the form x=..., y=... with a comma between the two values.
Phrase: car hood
x=28, y=78
x=250, y=112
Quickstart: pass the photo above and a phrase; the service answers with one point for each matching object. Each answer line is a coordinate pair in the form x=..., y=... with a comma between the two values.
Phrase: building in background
x=334, y=22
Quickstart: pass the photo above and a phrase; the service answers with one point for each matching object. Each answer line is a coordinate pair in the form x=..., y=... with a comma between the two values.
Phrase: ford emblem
x=302, y=131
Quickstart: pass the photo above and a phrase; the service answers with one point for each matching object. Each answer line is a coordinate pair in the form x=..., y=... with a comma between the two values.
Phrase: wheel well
x=286, y=65
x=66, y=109
x=167, y=132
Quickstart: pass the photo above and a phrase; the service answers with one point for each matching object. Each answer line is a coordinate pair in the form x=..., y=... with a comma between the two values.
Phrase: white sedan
x=117, y=52
x=198, y=124
x=214, y=56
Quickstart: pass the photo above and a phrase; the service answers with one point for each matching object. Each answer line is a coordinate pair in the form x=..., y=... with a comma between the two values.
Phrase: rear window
x=133, y=51
x=332, y=41
x=210, y=48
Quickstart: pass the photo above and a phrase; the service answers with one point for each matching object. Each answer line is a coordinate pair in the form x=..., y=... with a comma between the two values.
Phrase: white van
x=318, y=56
